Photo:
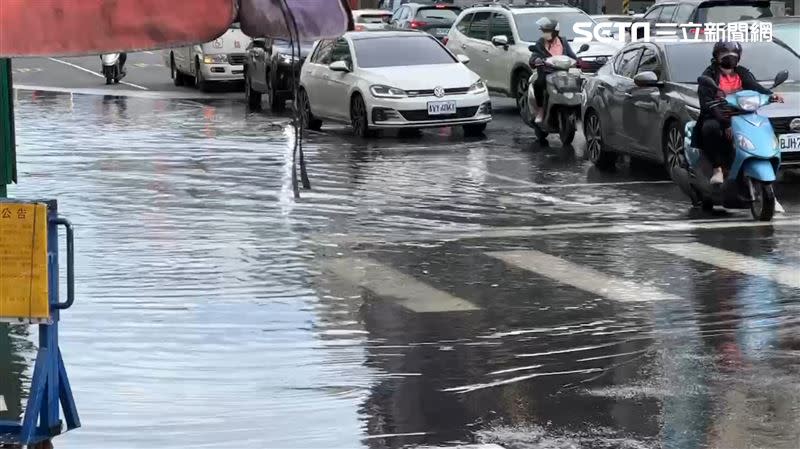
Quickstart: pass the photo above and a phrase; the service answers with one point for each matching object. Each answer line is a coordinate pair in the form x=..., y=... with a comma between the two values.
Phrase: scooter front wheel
x=567, y=127
x=763, y=206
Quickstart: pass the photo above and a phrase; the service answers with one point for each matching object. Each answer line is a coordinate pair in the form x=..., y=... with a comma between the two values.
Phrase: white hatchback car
x=391, y=79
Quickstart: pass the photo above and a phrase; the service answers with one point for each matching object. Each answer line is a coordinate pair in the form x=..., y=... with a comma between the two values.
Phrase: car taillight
x=417, y=24
x=359, y=28
x=581, y=64
x=444, y=40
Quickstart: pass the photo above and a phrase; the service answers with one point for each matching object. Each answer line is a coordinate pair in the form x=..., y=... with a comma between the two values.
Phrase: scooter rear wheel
x=566, y=127
x=763, y=206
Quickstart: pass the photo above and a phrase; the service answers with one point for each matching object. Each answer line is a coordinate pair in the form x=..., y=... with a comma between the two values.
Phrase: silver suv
x=496, y=37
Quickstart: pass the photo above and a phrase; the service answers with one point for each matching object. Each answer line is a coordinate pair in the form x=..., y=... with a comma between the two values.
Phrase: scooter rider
x=550, y=44
x=715, y=136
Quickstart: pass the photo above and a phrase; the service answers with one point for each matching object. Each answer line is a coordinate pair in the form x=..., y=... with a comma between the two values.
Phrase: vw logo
x=218, y=43
x=794, y=125
x=438, y=91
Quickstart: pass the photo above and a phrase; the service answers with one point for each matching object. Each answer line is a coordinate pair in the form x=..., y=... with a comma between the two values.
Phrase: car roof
x=783, y=19
x=357, y=12
x=517, y=8
x=361, y=35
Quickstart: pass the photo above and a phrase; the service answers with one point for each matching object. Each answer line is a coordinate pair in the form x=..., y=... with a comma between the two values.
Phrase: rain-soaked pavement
x=427, y=291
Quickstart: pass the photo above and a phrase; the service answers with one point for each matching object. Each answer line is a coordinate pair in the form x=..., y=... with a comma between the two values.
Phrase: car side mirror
x=583, y=48
x=707, y=82
x=339, y=66
x=780, y=78
x=647, y=79
x=500, y=41
x=464, y=59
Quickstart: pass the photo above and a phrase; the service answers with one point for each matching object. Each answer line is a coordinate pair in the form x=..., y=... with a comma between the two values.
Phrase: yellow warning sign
x=23, y=262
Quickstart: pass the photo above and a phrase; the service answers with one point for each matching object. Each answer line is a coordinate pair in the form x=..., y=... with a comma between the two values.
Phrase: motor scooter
x=112, y=67
x=562, y=102
x=757, y=158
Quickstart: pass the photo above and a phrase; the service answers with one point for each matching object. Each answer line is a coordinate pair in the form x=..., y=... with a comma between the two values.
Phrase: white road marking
x=729, y=260
x=389, y=283
x=475, y=387
x=93, y=72
x=3, y=406
x=585, y=184
x=582, y=277
x=548, y=230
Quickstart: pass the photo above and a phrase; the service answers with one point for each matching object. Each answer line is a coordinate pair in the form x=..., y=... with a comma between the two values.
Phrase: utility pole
x=8, y=158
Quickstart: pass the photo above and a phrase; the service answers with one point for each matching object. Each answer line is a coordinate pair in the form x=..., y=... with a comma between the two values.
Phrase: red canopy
x=76, y=27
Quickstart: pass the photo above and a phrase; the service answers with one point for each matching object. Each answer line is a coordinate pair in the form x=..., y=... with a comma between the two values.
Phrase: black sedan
x=268, y=71
x=639, y=103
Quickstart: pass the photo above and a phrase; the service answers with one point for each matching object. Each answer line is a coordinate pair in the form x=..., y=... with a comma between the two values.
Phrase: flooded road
x=427, y=291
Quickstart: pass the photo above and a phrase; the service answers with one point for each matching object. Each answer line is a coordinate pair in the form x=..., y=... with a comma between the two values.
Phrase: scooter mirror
x=531, y=48
x=781, y=78
x=707, y=82
x=583, y=48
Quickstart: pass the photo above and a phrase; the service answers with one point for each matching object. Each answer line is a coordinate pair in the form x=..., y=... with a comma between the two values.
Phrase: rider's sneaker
x=539, y=117
x=718, y=177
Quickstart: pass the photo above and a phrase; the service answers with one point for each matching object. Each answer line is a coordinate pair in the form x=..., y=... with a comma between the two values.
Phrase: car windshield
x=789, y=33
x=765, y=59
x=374, y=18
x=448, y=14
x=731, y=13
x=400, y=51
x=529, y=30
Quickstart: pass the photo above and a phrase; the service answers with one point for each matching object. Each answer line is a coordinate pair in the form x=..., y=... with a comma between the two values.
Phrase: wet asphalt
x=428, y=290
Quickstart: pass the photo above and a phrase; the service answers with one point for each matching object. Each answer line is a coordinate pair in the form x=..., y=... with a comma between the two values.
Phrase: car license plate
x=441, y=107
x=787, y=142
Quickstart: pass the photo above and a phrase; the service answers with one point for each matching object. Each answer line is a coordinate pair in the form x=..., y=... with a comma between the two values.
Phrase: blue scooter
x=748, y=184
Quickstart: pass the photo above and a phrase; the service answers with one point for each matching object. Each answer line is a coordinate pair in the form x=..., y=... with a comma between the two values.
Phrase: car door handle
x=485, y=51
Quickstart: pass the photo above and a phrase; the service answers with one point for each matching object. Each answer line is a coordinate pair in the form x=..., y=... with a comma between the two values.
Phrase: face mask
x=728, y=61
x=547, y=36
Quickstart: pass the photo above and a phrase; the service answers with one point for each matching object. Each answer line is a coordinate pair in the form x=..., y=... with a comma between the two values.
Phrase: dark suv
x=268, y=71
x=433, y=19
x=707, y=11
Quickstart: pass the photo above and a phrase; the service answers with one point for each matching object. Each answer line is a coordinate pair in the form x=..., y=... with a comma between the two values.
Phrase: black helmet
x=546, y=24
x=723, y=47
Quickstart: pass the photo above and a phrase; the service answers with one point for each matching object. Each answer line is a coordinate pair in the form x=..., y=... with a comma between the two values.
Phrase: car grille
x=429, y=92
x=792, y=157
x=236, y=58
x=420, y=115
x=781, y=124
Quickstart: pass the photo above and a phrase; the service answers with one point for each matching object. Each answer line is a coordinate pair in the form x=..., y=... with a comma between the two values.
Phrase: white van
x=221, y=60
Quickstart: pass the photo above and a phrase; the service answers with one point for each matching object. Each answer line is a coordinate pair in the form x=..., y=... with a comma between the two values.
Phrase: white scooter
x=564, y=98
x=112, y=67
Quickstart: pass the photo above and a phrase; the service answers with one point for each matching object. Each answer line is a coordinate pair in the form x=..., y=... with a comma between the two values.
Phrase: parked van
x=221, y=60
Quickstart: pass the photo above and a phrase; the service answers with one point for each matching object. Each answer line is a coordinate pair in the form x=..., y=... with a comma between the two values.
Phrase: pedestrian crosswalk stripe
x=390, y=283
x=581, y=277
x=734, y=262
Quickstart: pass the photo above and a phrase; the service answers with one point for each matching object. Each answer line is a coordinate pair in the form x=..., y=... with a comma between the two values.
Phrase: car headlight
x=744, y=143
x=382, y=91
x=287, y=59
x=478, y=88
x=749, y=103
x=215, y=59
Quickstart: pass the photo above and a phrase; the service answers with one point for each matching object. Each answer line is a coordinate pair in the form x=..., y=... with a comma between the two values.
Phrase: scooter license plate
x=789, y=143
x=441, y=107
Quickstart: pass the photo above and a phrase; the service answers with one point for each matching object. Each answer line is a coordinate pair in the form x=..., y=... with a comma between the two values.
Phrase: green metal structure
x=8, y=158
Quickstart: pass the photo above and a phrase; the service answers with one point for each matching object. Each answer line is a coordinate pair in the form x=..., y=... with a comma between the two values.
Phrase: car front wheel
x=358, y=116
x=307, y=118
